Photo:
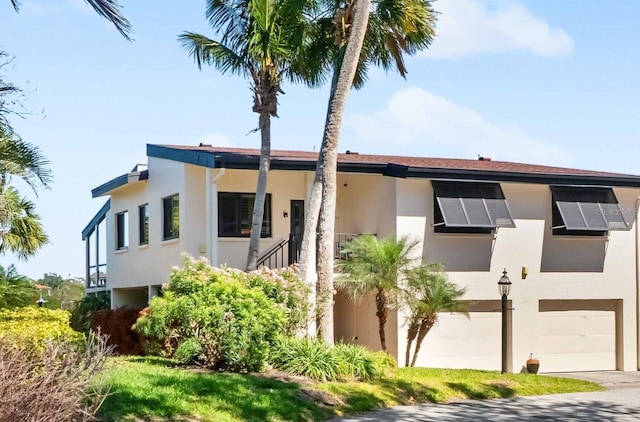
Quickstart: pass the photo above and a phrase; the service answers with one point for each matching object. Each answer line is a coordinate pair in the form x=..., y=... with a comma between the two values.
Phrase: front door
x=296, y=230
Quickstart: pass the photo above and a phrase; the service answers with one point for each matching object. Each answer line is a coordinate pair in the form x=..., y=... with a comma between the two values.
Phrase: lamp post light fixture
x=504, y=287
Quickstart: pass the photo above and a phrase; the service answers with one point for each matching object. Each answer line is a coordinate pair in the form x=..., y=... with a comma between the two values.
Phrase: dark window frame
x=235, y=212
x=454, y=189
x=122, y=232
x=143, y=224
x=170, y=230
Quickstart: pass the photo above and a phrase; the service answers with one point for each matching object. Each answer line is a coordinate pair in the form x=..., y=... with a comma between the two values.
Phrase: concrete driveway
x=620, y=403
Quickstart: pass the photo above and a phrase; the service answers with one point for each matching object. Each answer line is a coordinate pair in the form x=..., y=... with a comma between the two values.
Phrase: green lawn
x=151, y=388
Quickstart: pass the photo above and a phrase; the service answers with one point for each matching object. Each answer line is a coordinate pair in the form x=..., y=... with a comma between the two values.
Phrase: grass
x=422, y=385
x=153, y=389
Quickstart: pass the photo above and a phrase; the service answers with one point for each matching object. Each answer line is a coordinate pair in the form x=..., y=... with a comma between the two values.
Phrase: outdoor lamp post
x=504, y=286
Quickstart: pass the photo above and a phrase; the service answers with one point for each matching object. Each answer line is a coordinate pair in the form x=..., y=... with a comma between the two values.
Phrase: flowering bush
x=31, y=327
x=217, y=316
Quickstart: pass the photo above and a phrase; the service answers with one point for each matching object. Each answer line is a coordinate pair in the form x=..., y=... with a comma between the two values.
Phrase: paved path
x=620, y=403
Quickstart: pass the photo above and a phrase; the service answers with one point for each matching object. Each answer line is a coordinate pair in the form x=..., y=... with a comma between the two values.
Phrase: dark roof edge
x=240, y=161
x=119, y=181
x=97, y=219
x=198, y=158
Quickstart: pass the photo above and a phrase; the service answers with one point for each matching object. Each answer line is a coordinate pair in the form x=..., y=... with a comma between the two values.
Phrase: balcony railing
x=287, y=251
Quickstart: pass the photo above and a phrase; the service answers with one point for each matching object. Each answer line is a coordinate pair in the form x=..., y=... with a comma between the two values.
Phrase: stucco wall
x=569, y=268
x=148, y=264
x=283, y=187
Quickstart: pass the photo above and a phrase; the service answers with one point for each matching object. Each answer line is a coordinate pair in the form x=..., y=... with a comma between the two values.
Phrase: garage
x=460, y=342
x=577, y=335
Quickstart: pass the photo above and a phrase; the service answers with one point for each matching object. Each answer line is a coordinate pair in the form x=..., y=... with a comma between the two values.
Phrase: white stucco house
x=568, y=239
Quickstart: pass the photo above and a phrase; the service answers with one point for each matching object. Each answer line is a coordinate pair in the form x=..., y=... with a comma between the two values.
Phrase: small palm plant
x=375, y=265
x=428, y=292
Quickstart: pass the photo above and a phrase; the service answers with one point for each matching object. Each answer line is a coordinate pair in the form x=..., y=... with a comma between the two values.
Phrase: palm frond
x=208, y=51
x=373, y=263
x=112, y=11
x=24, y=160
x=21, y=230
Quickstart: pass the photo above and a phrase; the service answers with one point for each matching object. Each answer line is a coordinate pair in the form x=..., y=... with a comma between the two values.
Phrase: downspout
x=211, y=209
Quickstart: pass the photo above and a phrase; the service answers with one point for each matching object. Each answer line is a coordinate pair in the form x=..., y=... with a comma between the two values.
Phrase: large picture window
x=143, y=224
x=122, y=230
x=235, y=212
x=171, y=217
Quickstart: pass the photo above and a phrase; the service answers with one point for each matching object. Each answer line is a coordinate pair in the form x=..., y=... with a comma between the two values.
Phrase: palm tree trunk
x=261, y=190
x=312, y=211
x=329, y=169
x=412, y=332
x=425, y=326
x=382, y=313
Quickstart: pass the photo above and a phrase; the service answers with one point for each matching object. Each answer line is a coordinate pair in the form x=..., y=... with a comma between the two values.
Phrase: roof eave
x=108, y=187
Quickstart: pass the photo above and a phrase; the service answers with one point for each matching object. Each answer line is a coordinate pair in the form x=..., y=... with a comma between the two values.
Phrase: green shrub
x=83, y=308
x=31, y=327
x=315, y=359
x=355, y=361
x=311, y=358
x=230, y=324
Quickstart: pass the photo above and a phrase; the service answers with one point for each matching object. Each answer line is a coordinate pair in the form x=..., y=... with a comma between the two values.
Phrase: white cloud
x=417, y=122
x=470, y=27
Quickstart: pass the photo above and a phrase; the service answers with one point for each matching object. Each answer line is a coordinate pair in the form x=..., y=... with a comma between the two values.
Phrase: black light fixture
x=504, y=287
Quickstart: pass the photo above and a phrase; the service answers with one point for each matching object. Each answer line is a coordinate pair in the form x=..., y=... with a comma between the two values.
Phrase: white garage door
x=576, y=341
x=460, y=342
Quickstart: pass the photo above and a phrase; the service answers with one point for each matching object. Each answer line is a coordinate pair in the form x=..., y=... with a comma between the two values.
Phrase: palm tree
x=396, y=27
x=427, y=293
x=16, y=290
x=22, y=159
x=261, y=40
x=375, y=265
x=21, y=230
x=109, y=9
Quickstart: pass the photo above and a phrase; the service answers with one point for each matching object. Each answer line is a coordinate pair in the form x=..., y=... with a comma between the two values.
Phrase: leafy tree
x=16, y=290
x=109, y=9
x=261, y=40
x=375, y=265
x=360, y=39
x=52, y=280
x=427, y=293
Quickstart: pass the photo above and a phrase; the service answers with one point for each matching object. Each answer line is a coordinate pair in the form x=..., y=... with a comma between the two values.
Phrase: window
x=585, y=211
x=143, y=224
x=235, y=212
x=469, y=207
x=170, y=217
x=122, y=230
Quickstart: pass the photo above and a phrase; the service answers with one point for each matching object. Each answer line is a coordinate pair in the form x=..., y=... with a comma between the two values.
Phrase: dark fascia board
x=250, y=162
x=198, y=158
x=97, y=219
x=119, y=181
x=536, y=178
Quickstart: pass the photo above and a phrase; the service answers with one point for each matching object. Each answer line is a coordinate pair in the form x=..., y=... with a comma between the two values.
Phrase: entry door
x=296, y=230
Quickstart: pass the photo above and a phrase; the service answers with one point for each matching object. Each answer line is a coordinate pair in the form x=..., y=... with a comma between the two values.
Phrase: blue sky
x=548, y=82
